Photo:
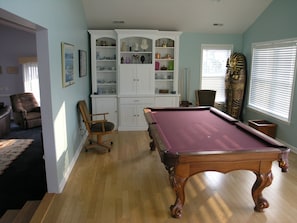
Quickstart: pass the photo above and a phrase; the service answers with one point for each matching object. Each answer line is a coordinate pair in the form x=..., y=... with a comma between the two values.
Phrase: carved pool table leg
x=152, y=145
x=263, y=180
x=178, y=184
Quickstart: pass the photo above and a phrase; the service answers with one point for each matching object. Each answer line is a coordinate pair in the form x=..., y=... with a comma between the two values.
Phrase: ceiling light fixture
x=218, y=24
x=118, y=22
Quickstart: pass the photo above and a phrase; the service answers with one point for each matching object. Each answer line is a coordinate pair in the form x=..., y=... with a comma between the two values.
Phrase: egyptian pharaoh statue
x=235, y=84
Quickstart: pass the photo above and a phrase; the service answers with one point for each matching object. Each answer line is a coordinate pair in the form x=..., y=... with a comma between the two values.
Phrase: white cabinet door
x=145, y=76
x=136, y=79
x=140, y=116
x=106, y=104
x=132, y=118
x=167, y=101
x=128, y=116
x=127, y=79
x=131, y=113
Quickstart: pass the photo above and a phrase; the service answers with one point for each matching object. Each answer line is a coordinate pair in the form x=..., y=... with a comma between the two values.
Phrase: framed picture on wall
x=82, y=63
x=67, y=64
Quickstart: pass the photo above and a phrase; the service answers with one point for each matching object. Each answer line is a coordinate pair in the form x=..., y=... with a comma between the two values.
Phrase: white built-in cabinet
x=133, y=69
x=131, y=112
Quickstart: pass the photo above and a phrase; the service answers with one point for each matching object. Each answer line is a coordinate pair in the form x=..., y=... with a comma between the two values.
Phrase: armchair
x=26, y=111
x=98, y=128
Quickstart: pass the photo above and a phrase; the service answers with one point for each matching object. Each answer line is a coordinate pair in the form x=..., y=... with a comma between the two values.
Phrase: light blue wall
x=14, y=44
x=65, y=22
x=190, y=53
x=277, y=22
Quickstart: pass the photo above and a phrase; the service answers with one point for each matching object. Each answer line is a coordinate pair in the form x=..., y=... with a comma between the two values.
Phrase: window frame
x=267, y=45
x=214, y=47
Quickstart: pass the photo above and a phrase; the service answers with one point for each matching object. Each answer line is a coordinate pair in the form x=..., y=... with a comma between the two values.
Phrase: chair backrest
x=23, y=101
x=205, y=97
x=82, y=105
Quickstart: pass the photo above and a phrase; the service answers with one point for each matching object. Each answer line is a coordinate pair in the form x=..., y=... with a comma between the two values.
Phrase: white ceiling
x=180, y=15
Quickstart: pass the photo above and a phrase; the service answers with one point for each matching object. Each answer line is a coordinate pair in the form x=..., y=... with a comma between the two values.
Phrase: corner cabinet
x=133, y=69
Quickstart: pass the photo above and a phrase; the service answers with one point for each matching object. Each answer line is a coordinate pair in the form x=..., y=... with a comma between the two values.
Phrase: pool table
x=196, y=139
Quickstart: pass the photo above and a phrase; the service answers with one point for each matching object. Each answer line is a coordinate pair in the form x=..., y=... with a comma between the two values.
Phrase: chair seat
x=98, y=127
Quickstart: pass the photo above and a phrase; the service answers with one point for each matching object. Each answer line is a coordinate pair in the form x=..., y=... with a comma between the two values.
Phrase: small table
x=264, y=126
x=197, y=139
x=5, y=120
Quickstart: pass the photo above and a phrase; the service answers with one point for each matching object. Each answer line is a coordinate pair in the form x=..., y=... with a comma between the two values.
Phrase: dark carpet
x=25, y=178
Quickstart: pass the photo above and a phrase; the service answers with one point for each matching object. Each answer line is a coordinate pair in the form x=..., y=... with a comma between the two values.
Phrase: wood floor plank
x=9, y=216
x=42, y=208
x=130, y=184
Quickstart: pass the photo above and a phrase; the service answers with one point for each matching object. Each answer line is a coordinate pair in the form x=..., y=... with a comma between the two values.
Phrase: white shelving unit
x=166, y=69
x=104, y=73
x=133, y=69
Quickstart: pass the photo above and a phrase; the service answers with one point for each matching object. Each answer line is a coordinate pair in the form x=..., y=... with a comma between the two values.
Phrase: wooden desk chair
x=205, y=97
x=98, y=128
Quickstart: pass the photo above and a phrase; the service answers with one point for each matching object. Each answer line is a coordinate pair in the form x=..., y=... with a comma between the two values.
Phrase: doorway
x=9, y=19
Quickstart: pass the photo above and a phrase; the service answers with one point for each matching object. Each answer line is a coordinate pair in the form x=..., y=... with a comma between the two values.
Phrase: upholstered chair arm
x=22, y=113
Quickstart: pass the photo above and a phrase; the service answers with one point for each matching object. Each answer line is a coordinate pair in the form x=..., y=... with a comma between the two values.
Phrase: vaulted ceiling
x=202, y=16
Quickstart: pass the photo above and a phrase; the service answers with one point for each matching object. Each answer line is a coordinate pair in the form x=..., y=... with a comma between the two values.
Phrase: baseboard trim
x=72, y=163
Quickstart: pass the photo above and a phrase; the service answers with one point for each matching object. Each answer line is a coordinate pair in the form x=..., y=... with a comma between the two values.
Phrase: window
x=213, y=69
x=31, y=79
x=272, y=78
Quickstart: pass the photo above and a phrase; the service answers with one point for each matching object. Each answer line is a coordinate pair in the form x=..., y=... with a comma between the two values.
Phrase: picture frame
x=82, y=63
x=67, y=64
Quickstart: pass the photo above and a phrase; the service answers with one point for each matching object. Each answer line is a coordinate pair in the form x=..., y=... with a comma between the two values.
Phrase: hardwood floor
x=130, y=184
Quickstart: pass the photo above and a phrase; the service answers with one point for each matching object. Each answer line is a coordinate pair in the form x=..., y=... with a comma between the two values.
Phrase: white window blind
x=31, y=79
x=213, y=69
x=272, y=78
